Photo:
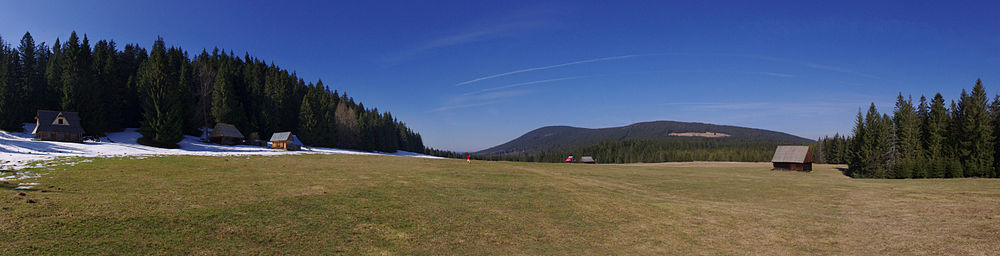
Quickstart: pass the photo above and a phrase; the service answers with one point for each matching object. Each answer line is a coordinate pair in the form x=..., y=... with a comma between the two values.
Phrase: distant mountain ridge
x=561, y=138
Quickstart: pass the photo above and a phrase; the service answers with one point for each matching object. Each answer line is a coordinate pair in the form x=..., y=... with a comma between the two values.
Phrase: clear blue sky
x=468, y=75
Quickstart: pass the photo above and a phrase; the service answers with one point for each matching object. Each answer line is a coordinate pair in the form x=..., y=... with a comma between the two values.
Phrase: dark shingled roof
x=225, y=130
x=281, y=136
x=45, y=118
x=790, y=154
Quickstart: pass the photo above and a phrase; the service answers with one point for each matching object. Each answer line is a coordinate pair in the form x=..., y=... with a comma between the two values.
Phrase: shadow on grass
x=845, y=172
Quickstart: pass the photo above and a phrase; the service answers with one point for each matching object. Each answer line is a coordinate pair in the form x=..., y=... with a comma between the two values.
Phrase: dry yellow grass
x=376, y=205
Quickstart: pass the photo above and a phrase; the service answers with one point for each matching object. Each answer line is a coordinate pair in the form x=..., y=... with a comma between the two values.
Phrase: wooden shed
x=796, y=158
x=58, y=126
x=284, y=140
x=588, y=160
x=225, y=134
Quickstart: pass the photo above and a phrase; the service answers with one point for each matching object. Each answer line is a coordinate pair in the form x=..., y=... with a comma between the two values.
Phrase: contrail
x=546, y=67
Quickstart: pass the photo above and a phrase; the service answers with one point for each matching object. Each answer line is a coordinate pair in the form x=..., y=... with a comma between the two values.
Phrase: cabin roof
x=281, y=136
x=790, y=154
x=46, y=117
x=225, y=130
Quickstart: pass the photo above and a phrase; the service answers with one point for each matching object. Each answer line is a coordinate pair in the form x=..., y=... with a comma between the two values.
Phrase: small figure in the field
x=468, y=159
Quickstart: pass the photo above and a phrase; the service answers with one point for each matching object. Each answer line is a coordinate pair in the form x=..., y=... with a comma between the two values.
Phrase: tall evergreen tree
x=226, y=105
x=907, y=128
x=32, y=77
x=975, y=133
x=10, y=93
x=935, y=135
x=162, y=123
x=995, y=121
x=856, y=161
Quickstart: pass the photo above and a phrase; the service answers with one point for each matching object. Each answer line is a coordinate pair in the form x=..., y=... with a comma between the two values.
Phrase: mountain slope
x=551, y=138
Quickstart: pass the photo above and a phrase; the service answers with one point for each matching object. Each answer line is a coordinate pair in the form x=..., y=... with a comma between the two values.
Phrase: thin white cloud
x=806, y=64
x=525, y=84
x=463, y=101
x=453, y=107
x=547, y=67
x=463, y=37
x=509, y=24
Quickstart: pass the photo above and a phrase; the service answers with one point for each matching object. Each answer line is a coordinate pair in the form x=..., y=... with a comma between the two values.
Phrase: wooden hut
x=284, y=140
x=58, y=126
x=225, y=134
x=588, y=160
x=796, y=158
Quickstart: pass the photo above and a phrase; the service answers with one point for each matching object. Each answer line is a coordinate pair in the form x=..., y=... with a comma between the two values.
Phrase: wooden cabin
x=284, y=140
x=58, y=126
x=795, y=158
x=225, y=134
x=588, y=160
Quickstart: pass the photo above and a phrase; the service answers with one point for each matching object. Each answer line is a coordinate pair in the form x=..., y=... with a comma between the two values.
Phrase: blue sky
x=468, y=75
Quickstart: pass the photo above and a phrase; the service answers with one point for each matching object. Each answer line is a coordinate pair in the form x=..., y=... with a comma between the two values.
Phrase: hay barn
x=796, y=158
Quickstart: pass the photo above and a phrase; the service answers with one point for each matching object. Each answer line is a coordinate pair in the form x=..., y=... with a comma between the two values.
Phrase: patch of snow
x=22, y=188
x=19, y=151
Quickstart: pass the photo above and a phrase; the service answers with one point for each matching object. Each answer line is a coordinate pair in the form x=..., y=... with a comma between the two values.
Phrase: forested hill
x=167, y=93
x=565, y=138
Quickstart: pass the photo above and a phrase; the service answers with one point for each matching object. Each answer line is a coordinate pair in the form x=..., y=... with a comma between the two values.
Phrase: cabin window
x=60, y=121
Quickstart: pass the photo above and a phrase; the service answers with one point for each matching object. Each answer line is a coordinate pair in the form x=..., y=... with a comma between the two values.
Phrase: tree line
x=646, y=151
x=929, y=140
x=831, y=150
x=167, y=95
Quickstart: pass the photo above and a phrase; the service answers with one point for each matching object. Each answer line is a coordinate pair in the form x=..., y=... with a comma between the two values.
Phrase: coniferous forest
x=167, y=94
x=931, y=139
x=646, y=151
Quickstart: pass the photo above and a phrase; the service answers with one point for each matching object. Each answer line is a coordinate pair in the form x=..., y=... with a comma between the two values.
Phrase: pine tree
x=72, y=72
x=348, y=128
x=53, y=79
x=32, y=77
x=975, y=132
x=226, y=105
x=311, y=119
x=10, y=93
x=935, y=135
x=856, y=161
x=995, y=121
x=162, y=122
x=907, y=128
x=954, y=151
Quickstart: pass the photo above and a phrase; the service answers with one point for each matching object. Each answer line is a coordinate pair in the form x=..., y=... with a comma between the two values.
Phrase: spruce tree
x=162, y=121
x=32, y=76
x=53, y=78
x=857, y=154
x=71, y=73
x=975, y=132
x=935, y=136
x=226, y=105
x=907, y=129
x=10, y=93
x=995, y=122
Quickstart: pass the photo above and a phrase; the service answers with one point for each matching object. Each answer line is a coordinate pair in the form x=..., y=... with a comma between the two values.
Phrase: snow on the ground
x=19, y=151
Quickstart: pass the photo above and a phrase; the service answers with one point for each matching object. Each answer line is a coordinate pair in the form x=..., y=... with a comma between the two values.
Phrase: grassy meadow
x=381, y=205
